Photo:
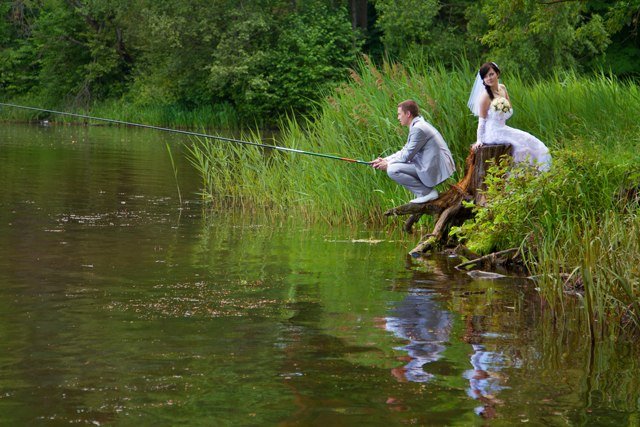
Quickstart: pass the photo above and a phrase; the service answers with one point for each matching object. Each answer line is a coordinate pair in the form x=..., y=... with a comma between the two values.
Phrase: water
x=119, y=307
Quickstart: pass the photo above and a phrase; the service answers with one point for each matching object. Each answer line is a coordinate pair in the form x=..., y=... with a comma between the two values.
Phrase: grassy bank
x=579, y=222
x=358, y=121
x=580, y=229
x=221, y=116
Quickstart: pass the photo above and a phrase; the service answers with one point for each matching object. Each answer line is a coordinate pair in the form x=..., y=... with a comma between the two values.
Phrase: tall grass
x=240, y=176
x=358, y=120
x=598, y=110
x=602, y=255
x=219, y=116
x=207, y=116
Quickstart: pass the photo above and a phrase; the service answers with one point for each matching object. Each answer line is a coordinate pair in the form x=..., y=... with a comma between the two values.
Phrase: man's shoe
x=427, y=197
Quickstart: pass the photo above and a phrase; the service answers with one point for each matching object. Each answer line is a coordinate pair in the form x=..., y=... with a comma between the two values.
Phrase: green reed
x=358, y=120
x=602, y=251
x=239, y=175
x=175, y=173
x=591, y=229
x=219, y=116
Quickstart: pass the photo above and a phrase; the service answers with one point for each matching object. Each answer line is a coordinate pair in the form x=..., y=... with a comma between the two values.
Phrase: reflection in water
x=430, y=330
x=419, y=320
x=486, y=378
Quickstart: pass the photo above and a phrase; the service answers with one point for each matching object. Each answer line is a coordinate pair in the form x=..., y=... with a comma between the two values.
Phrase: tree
x=406, y=25
x=434, y=29
x=622, y=18
x=267, y=57
x=64, y=50
x=359, y=14
x=176, y=42
x=537, y=37
x=18, y=56
x=269, y=63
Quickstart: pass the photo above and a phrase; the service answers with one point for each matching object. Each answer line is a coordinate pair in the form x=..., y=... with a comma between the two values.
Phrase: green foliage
x=621, y=19
x=269, y=58
x=17, y=57
x=240, y=56
x=581, y=218
x=265, y=59
x=537, y=37
x=358, y=121
x=523, y=204
x=503, y=221
x=61, y=50
x=174, y=42
x=313, y=54
x=270, y=64
x=620, y=15
x=406, y=25
x=434, y=29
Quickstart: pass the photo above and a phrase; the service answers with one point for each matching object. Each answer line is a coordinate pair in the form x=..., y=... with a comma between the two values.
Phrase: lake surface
x=119, y=306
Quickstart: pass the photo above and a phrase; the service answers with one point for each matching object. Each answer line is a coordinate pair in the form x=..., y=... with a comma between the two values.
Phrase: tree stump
x=448, y=208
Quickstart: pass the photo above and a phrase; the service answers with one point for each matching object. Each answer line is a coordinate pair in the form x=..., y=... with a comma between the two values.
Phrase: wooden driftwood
x=494, y=258
x=448, y=207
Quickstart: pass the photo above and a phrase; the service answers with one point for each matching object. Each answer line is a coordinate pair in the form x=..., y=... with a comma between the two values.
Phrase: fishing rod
x=184, y=132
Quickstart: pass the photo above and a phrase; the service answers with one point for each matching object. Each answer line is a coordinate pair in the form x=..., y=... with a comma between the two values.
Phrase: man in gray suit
x=425, y=160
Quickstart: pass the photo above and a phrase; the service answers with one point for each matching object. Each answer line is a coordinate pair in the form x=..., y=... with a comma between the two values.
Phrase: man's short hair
x=410, y=106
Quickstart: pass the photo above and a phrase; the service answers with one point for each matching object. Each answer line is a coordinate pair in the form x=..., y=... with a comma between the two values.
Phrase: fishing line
x=184, y=132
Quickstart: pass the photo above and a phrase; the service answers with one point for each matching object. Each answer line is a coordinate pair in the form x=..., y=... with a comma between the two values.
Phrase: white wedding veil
x=474, y=97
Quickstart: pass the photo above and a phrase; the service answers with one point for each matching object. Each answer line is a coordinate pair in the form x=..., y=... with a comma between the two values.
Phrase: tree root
x=495, y=258
x=449, y=207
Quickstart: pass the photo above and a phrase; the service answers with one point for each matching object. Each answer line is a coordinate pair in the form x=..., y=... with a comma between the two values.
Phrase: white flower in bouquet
x=501, y=105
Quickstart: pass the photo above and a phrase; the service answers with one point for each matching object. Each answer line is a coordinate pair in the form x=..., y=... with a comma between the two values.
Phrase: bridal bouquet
x=501, y=105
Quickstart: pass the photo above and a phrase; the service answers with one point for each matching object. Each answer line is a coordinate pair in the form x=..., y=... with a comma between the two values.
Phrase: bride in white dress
x=489, y=101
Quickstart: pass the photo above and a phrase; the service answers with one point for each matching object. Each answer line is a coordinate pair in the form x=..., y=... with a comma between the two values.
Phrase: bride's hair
x=483, y=72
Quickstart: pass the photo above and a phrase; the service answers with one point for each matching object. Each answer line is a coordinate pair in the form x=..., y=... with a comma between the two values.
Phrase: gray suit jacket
x=429, y=152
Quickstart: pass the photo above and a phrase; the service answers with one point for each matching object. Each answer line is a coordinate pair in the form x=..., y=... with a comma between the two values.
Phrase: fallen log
x=494, y=258
x=448, y=207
